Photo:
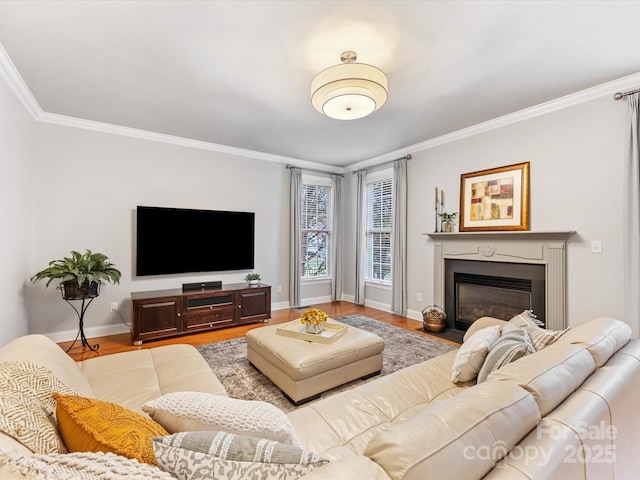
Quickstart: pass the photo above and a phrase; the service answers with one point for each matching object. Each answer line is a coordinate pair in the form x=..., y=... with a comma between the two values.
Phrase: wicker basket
x=433, y=319
x=70, y=290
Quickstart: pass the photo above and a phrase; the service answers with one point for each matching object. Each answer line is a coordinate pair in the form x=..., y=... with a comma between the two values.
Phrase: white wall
x=576, y=157
x=17, y=137
x=86, y=190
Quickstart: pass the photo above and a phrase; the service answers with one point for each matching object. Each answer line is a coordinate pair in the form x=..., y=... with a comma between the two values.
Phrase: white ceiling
x=238, y=73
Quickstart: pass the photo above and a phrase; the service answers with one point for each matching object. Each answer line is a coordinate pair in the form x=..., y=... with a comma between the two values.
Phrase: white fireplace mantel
x=547, y=248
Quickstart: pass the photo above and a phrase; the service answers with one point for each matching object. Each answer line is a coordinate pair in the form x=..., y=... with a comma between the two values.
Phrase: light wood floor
x=122, y=342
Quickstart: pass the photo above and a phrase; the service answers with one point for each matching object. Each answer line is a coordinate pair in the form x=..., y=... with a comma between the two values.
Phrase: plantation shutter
x=379, y=226
x=316, y=228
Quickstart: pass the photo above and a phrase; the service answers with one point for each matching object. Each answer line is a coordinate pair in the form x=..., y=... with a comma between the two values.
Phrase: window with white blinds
x=316, y=227
x=379, y=224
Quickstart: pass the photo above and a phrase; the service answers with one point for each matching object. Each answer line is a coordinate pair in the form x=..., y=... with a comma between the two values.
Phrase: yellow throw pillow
x=89, y=425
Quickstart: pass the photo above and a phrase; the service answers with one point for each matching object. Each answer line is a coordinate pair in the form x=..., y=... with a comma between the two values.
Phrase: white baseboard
x=414, y=315
x=90, y=332
x=315, y=300
x=280, y=306
x=348, y=298
x=385, y=307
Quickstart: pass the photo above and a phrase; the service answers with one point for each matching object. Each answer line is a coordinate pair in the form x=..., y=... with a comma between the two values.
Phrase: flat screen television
x=179, y=240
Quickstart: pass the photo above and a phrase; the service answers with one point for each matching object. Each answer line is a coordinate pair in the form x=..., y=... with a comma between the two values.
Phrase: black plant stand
x=86, y=296
x=83, y=308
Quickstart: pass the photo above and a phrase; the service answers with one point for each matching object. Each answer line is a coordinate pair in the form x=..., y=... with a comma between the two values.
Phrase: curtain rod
x=621, y=95
x=317, y=171
x=406, y=157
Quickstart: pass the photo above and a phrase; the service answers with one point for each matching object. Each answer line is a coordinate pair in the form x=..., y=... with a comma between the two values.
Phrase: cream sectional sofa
x=568, y=411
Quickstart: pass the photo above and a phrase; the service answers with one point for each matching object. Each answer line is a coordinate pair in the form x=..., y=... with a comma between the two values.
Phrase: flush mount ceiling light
x=349, y=90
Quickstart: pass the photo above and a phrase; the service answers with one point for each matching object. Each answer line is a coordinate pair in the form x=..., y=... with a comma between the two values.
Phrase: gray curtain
x=295, y=253
x=399, y=239
x=336, y=239
x=361, y=226
x=631, y=220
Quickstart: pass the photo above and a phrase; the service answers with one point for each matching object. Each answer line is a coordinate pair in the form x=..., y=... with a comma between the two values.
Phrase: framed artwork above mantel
x=496, y=199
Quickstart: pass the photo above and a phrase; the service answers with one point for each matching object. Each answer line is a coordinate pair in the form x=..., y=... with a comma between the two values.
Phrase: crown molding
x=109, y=128
x=19, y=87
x=625, y=83
x=16, y=83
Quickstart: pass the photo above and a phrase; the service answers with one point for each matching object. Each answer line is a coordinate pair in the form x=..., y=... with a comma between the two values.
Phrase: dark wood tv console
x=171, y=313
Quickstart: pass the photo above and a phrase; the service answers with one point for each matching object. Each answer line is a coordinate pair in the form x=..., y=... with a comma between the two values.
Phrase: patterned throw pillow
x=222, y=455
x=80, y=465
x=525, y=319
x=472, y=353
x=89, y=425
x=27, y=410
x=509, y=348
x=540, y=337
x=193, y=411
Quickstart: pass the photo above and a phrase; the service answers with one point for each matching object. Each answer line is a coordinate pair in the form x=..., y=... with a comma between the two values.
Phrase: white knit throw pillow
x=196, y=411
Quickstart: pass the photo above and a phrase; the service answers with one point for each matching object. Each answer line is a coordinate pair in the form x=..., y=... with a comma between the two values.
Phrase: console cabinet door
x=156, y=317
x=254, y=305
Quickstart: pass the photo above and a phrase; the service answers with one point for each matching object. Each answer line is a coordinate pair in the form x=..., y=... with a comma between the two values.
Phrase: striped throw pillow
x=508, y=348
x=208, y=455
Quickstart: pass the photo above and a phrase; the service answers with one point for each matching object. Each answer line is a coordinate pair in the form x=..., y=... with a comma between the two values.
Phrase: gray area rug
x=229, y=361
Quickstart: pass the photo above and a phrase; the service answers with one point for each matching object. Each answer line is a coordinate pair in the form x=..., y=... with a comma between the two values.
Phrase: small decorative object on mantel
x=433, y=319
x=447, y=221
x=252, y=278
x=314, y=320
x=439, y=209
x=495, y=199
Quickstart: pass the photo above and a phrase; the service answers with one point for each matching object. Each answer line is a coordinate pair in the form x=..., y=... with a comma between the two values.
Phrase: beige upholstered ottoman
x=303, y=369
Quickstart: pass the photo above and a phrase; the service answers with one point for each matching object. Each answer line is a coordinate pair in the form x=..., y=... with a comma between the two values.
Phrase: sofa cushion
x=507, y=349
x=89, y=425
x=472, y=353
x=221, y=455
x=602, y=337
x=353, y=417
x=550, y=375
x=132, y=378
x=27, y=410
x=458, y=437
x=79, y=465
x=191, y=411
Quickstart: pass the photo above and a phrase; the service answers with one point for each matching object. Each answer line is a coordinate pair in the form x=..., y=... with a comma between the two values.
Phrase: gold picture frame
x=496, y=199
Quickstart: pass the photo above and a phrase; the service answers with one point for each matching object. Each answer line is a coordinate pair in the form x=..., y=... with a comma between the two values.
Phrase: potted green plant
x=80, y=274
x=447, y=220
x=252, y=278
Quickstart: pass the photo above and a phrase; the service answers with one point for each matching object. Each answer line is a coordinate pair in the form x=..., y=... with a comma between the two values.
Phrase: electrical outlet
x=114, y=307
x=419, y=296
x=279, y=289
x=596, y=246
